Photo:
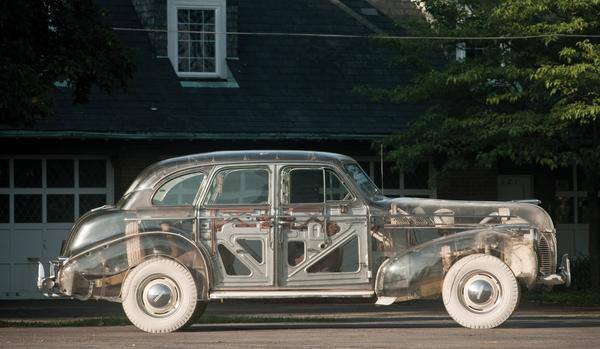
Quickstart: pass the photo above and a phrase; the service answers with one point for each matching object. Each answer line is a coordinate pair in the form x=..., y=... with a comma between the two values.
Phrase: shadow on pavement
x=407, y=322
x=423, y=324
x=350, y=315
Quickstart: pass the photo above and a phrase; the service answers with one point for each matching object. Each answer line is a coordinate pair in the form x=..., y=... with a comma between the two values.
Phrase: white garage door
x=40, y=197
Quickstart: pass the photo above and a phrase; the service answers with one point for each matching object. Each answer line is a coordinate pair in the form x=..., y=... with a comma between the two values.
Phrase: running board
x=385, y=300
x=289, y=294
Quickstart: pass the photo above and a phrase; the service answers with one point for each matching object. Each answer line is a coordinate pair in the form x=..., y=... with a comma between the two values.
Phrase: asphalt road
x=414, y=325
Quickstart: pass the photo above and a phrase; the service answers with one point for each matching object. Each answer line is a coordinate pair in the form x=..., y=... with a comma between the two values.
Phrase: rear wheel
x=160, y=295
x=480, y=291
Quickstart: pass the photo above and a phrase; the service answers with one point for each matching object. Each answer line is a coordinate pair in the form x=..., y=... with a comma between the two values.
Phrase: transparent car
x=289, y=224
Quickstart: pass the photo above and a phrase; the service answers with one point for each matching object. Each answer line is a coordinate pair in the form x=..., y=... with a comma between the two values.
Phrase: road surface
x=416, y=325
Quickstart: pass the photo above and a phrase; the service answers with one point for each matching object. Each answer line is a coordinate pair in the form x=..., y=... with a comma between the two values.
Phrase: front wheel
x=480, y=291
x=160, y=295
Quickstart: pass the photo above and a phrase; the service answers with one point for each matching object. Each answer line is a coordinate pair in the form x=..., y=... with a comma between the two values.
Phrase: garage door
x=40, y=198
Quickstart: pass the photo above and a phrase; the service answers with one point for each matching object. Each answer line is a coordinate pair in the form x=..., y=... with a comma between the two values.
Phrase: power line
x=357, y=36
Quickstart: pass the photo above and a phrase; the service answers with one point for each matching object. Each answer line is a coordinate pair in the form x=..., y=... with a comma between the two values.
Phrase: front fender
x=419, y=272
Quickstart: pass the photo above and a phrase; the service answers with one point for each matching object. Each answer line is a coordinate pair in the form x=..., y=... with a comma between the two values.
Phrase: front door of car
x=236, y=225
x=321, y=230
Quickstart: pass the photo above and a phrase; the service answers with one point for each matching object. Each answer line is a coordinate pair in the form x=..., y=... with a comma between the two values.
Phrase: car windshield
x=363, y=181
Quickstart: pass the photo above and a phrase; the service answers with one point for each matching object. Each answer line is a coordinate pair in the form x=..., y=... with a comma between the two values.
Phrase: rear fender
x=100, y=271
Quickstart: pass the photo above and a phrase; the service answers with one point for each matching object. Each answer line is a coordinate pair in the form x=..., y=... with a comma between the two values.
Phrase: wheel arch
x=100, y=271
x=419, y=272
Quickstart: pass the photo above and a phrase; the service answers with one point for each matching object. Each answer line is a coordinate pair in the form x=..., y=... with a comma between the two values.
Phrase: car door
x=321, y=229
x=236, y=225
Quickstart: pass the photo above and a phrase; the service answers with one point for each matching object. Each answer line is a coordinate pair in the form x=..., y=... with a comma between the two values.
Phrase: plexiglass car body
x=275, y=224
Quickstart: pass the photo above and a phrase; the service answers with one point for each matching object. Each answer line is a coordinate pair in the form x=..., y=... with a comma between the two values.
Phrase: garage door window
x=4, y=208
x=52, y=190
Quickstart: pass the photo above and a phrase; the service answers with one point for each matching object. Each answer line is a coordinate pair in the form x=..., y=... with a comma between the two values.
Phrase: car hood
x=475, y=211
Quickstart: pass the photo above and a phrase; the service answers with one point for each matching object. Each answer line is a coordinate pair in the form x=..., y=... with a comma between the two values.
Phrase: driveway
x=421, y=324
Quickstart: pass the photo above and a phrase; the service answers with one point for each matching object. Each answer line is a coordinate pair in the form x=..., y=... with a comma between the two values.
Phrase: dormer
x=192, y=34
x=196, y=39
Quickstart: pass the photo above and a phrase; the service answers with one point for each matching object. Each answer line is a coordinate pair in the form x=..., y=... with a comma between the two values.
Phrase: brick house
x=195, y=92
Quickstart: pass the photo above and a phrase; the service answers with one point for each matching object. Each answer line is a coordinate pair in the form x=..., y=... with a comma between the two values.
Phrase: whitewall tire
x=480, y=291
x=160, y=295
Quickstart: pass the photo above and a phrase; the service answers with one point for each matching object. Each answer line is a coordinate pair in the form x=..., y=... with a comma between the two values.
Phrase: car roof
x=258, y=155
x=157, y=171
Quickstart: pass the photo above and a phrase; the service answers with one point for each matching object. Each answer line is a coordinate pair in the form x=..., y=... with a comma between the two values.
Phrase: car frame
x=289, y=224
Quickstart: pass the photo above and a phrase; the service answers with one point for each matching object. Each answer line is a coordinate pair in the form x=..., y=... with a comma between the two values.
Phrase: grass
x=583, y=298
x=123, y=321
x=101, y=321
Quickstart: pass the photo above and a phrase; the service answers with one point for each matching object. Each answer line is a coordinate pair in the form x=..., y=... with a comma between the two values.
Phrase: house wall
x=476, y=184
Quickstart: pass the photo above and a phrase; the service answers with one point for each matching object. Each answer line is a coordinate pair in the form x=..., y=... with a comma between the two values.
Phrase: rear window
x=180, y=191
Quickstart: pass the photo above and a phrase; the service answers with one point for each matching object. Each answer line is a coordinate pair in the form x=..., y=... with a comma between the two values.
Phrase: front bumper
x=563, y=275
x=46, y=282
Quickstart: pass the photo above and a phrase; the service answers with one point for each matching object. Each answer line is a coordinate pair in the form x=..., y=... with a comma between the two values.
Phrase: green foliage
x=43, y=42
x=531, y=101
x=530, y=95
x=578, y=298
x=580, y=273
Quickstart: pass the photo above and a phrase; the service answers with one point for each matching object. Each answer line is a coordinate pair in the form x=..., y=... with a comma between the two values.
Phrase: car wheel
x=160, y=295
x=480, y=291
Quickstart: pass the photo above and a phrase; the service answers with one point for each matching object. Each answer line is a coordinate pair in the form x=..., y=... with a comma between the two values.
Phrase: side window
x=336, y=190
x=178, y=191
x=314, y=186
x=305, y=186
x=240, y=187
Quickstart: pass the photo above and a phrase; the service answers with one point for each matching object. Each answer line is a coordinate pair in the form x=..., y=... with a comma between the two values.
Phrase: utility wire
x=357, y=36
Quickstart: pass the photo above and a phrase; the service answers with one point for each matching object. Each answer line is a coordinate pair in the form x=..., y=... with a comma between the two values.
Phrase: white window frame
x=220, y=8
x=108, y=190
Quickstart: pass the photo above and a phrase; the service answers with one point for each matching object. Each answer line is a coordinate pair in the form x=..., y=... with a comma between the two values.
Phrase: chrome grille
x=544, y=255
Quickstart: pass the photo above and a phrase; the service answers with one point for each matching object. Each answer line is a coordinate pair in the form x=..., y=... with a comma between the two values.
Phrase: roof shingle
x=288, y=86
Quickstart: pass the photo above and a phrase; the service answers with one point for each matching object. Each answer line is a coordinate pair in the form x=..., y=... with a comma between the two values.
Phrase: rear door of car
x=236, y=225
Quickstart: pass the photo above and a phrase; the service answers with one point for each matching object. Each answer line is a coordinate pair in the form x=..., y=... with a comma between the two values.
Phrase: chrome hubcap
x=158, y=296
x=480, y=292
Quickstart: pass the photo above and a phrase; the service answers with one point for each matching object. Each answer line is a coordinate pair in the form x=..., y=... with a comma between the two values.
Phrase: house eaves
x=184, y=135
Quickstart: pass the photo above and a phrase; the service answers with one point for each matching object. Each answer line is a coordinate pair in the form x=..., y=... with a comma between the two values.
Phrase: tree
x=529, y=100
x=49, y=41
